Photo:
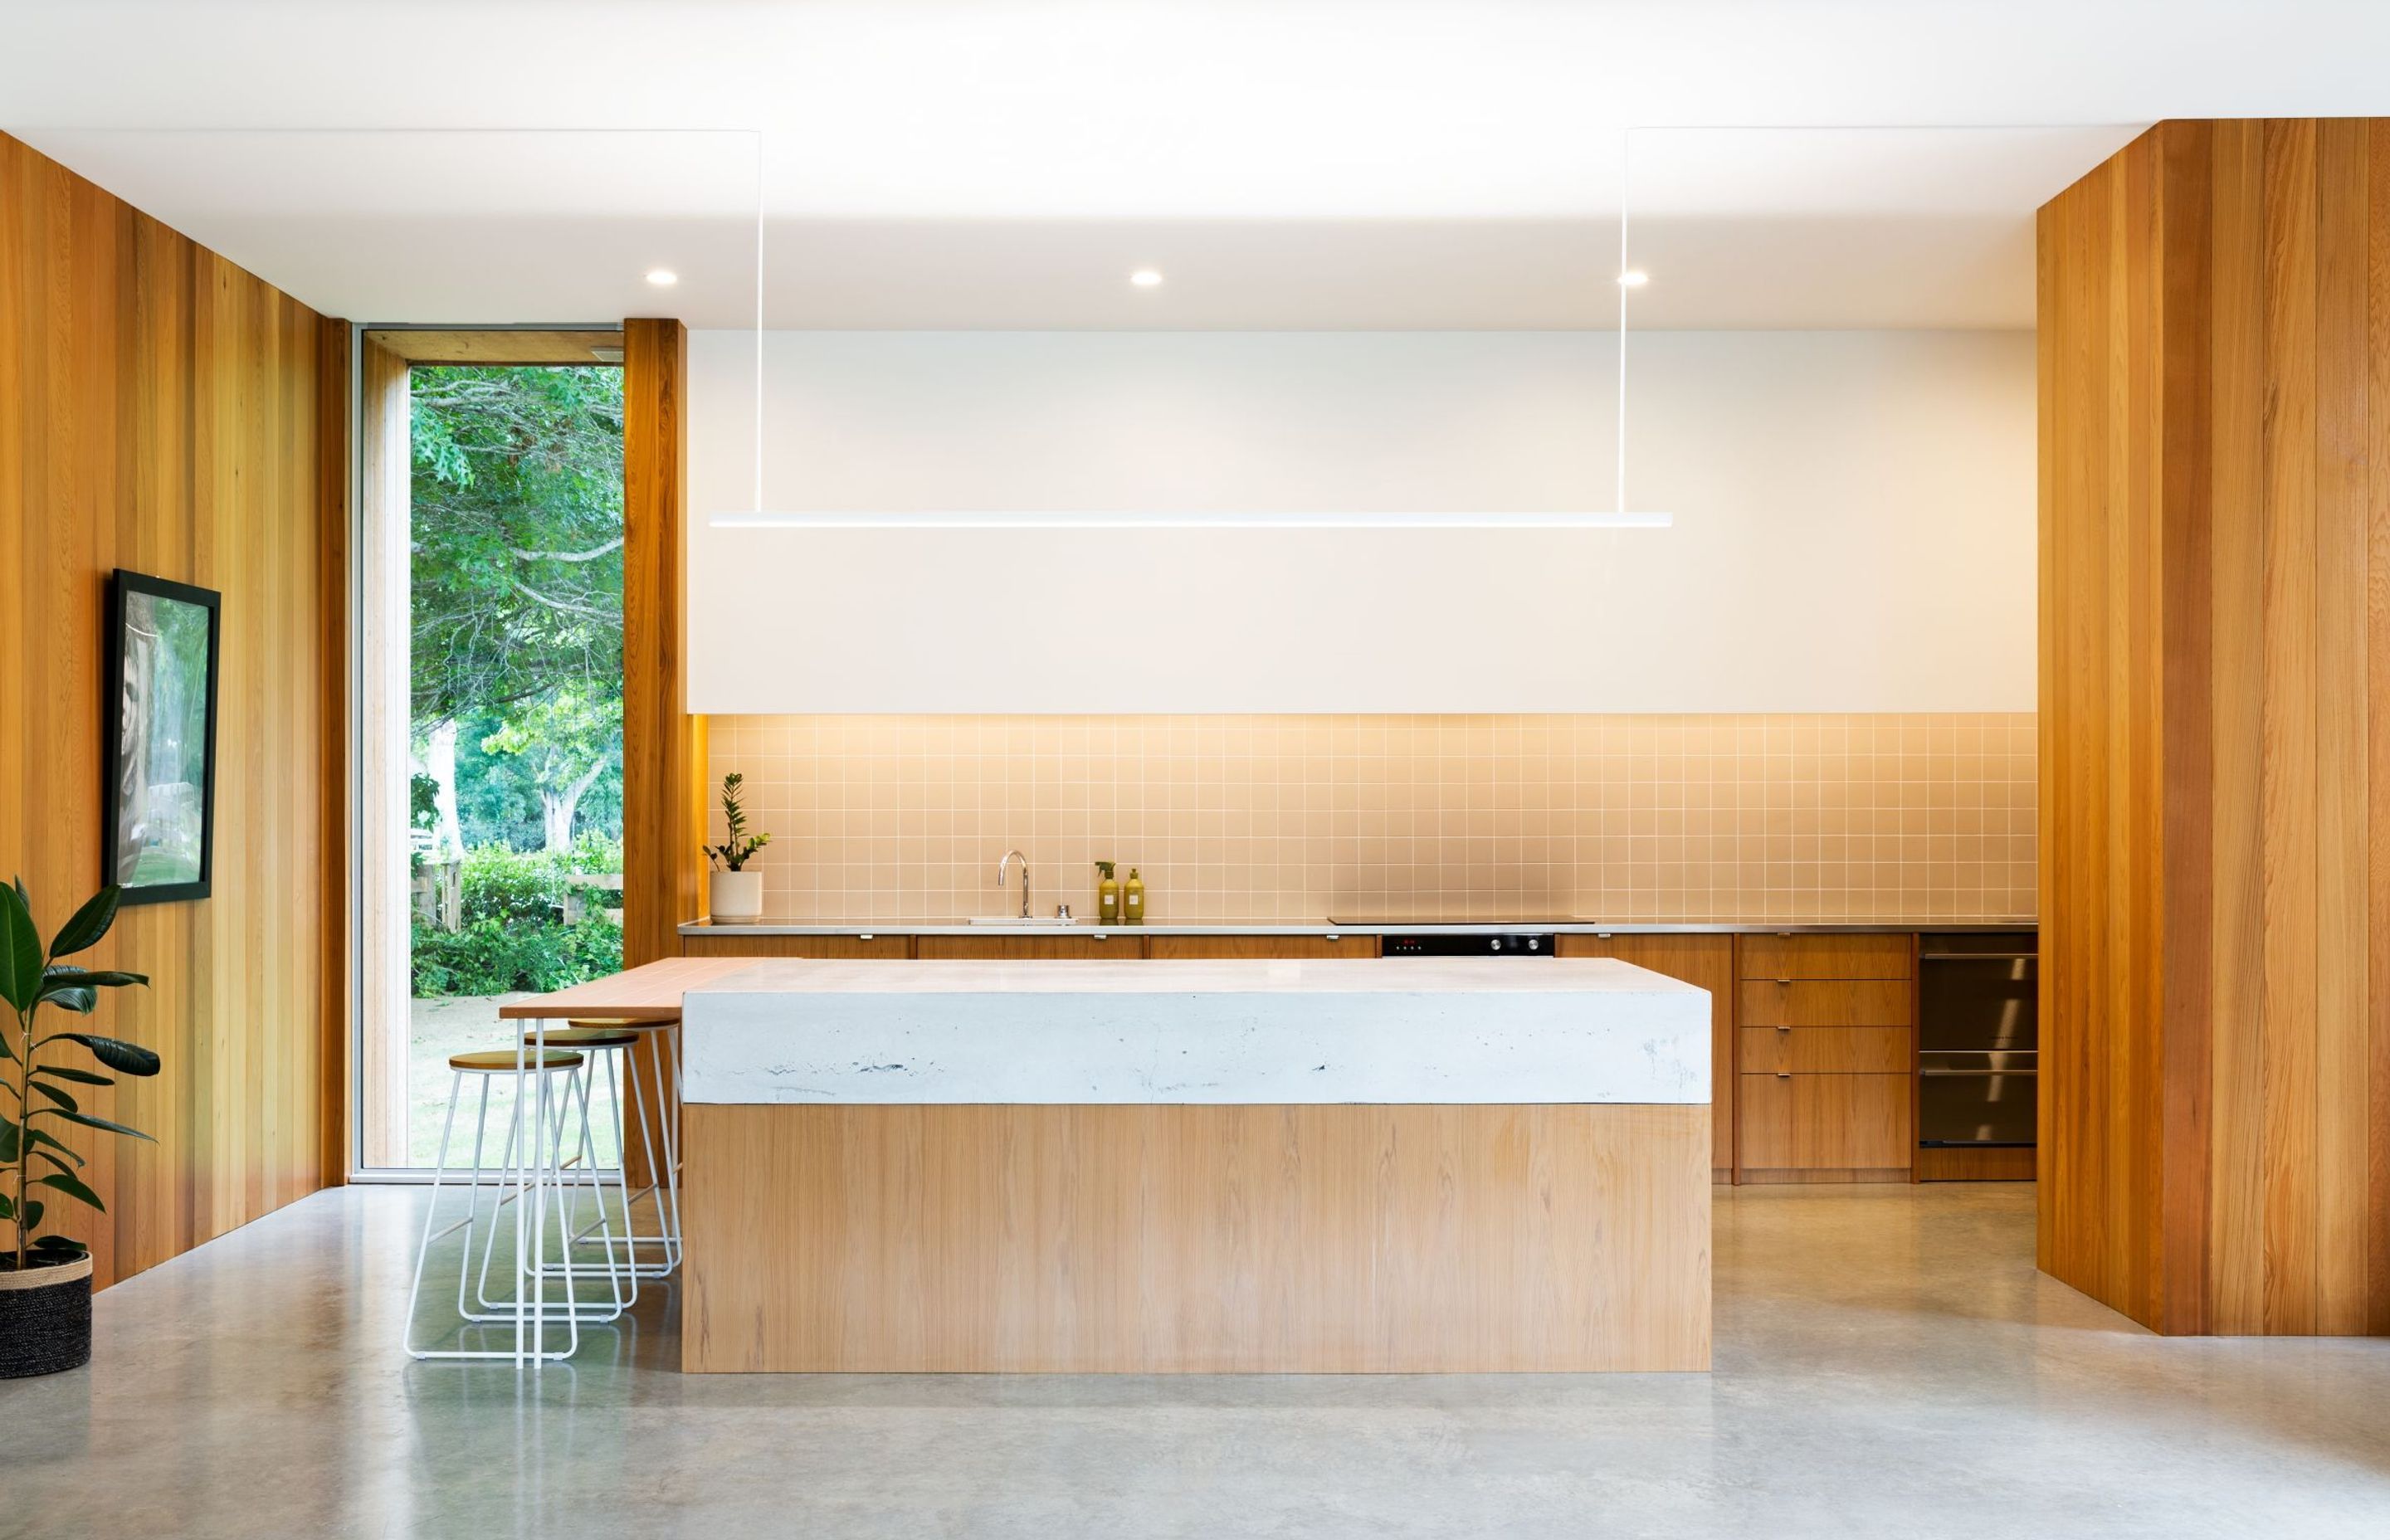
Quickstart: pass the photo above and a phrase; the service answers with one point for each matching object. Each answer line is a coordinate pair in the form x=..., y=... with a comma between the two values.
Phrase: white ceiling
x=1005, y=162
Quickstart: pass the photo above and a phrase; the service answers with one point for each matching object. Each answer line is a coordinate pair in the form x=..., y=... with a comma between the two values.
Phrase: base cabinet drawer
x=1111, y=945
x=1832, y=956
x=1793, y=1121
x=1826, y=1050
x=796, y=946
x=1824, y=1003
x=1265, y=947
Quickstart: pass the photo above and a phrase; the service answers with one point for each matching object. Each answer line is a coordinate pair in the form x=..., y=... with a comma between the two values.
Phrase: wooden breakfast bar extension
x=1318, y=1166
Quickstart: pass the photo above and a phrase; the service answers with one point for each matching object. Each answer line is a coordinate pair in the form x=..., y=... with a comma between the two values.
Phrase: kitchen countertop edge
x=1378, y=928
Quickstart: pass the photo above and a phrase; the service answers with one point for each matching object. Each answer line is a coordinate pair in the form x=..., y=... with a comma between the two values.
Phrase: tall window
x=514, y=862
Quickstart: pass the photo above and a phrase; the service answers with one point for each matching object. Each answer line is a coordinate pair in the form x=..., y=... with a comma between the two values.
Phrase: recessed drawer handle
x=1783, y=1026
x=1783, y=1074
x=1785, y=982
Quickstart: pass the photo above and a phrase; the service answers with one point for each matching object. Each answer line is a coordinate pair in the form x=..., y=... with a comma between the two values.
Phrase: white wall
x=1855, y=522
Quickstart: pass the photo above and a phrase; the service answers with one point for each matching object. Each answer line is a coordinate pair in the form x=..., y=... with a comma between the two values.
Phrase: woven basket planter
x=45, y=1319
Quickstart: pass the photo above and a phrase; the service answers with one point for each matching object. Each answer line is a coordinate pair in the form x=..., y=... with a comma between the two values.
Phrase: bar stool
x=533, y=1164
x=663, y=1175
x=608, y=1043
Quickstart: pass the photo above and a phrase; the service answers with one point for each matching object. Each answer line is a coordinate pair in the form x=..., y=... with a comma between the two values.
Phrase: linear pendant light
x=1618, y=517
x=1133, y=519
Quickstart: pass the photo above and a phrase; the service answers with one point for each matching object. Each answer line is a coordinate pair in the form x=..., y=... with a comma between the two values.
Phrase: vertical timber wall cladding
x=2215, y=398
x=663, y=746
x=162, y=410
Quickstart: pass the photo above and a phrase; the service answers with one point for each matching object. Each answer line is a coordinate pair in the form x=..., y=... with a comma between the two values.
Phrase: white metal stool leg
x=663, y=1171
x=655, y=1115
x=544, y=1152
x=590, y=1174
x=531, y=1167
x=627, y=1104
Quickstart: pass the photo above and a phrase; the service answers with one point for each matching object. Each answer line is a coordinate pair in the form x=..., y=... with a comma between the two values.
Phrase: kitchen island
x=1321, y=1166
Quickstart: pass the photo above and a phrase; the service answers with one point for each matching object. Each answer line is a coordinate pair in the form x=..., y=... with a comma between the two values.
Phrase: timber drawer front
x=1824, y=1052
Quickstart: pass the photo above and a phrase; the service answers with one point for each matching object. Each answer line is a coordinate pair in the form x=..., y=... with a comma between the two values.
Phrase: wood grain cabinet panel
x=1826, y=1050
x=1156, y=1240
x=1705, y=962
x=2215, y=729
x=165, y=411
x=1265, y=947
x=1825, y=1003
x=796, y=946
x=1829, y=956
x=1112, y=947
x=1838, y=1123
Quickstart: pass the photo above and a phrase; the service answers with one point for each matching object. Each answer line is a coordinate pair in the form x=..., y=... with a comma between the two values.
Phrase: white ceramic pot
x=737, y=897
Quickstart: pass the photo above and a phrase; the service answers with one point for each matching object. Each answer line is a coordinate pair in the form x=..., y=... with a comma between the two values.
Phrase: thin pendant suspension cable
x=1625, y=139
x=759, y=318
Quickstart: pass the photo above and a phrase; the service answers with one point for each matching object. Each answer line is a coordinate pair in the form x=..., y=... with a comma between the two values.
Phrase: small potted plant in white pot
x=46, y=1279
x=737, y=894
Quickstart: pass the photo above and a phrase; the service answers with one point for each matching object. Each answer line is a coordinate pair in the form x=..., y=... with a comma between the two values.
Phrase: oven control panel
x=1516, y=943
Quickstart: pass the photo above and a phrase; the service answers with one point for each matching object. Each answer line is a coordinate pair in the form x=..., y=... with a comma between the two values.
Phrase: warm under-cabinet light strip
x=886, y=521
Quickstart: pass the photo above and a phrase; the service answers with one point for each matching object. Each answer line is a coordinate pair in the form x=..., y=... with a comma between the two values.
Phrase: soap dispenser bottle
x=1107, y=904
x=1132, y=899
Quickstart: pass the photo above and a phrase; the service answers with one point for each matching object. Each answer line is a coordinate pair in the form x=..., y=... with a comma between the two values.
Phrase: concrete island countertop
x=1428, y=1030
x=770, y=926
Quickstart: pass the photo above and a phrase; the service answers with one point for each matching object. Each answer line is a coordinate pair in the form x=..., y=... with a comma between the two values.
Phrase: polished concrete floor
x=1888, y=1363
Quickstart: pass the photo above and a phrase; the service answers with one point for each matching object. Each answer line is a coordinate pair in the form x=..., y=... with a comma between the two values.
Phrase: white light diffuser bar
x=1604, y=520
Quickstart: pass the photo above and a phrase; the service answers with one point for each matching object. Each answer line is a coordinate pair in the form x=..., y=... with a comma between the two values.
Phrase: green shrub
x=518, y=887
x=513, y=936
x=489, y=956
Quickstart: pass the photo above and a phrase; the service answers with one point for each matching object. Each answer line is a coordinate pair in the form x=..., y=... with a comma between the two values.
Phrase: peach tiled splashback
x=1756, y=819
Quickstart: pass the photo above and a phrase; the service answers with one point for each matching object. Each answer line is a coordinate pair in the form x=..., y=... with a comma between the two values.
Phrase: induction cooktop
x=1447, y=921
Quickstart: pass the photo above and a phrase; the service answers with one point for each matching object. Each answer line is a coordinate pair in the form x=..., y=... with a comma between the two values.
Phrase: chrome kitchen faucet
x=1009, y=857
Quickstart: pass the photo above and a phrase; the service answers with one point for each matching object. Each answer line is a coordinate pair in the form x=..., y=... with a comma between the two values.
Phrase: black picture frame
x=138, y=646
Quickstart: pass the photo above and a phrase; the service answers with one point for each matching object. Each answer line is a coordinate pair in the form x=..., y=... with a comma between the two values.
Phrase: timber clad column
x=2215, y=341
x=663, y=746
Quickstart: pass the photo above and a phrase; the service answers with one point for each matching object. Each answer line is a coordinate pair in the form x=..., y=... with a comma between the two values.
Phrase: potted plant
x=46, y=1279
x=737, y=894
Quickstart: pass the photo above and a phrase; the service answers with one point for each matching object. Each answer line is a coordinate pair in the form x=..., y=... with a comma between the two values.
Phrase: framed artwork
x=160, y=843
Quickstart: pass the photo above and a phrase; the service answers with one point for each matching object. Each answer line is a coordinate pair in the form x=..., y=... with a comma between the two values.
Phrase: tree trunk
x=558, y=806
x=440, y=764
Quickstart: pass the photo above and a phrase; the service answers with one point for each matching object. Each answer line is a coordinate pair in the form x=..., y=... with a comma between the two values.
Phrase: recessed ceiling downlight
x=662, y=277
x=1146, y=277
x=1634, y=277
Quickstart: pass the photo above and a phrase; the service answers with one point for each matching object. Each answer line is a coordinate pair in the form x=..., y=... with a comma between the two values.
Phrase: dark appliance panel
x=1978, y=1040
x=1447, y=943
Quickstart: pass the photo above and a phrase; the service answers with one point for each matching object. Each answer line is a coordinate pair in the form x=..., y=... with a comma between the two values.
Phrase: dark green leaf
x=10, y=1137
x=67, y=1071
x=89, y=924
x=72, y=1186
x=88, y=1121
x=58, y=1095
x=6, y=1050
x=20, y=949
x=130, y=1058
x=80, y=1001
x=43, y=1144
x=7, y=1209
x=33, y=1208
x=57, y=1248
x=68, y=976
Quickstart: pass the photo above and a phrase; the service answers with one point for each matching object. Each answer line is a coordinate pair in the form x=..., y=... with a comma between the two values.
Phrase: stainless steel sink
x=1042, y=921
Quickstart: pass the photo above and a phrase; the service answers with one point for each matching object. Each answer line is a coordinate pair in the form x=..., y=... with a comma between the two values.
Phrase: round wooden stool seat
x=614, y=1023
x=502, y=1061
x=589, y=1037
